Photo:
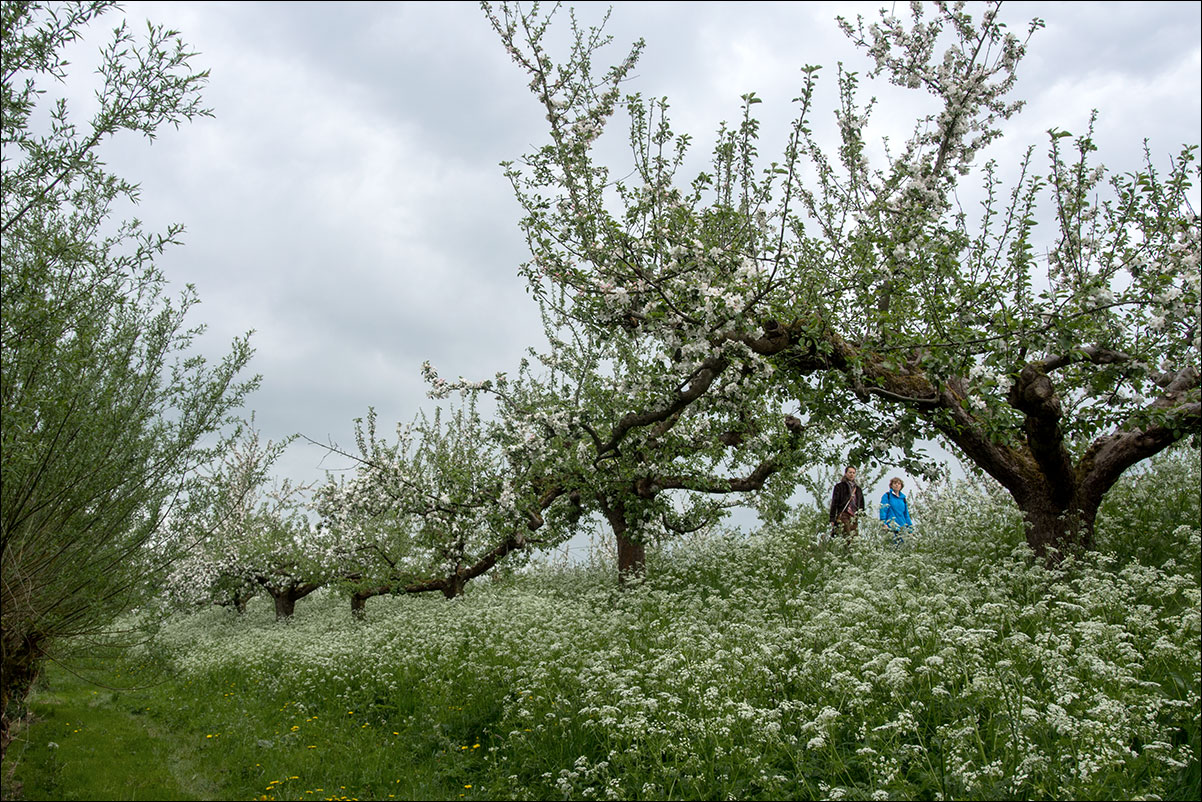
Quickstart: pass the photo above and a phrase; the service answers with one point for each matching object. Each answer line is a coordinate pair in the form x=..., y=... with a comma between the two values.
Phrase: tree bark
x=1054, y=530
x=285, y=598
x=285, y=605
x=632, y=559
x=454, y=584
x=22, y=662
x=632, y=554
x=359, y=599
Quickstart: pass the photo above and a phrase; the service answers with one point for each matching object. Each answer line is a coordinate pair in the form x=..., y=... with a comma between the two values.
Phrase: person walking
x=895, y=511
x=846, y=500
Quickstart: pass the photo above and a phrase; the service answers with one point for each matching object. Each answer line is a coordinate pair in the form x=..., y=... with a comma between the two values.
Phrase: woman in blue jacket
x=895, y=511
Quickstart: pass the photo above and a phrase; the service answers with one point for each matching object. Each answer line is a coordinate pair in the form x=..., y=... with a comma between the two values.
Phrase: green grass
x=90, y=742
x=179, y=740
x=765, y=666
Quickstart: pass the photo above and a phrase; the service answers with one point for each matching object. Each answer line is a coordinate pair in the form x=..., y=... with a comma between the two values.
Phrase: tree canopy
x=1052, y=336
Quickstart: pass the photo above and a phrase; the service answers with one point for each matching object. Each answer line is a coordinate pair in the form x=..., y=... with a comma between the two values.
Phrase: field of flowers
x=769, y=665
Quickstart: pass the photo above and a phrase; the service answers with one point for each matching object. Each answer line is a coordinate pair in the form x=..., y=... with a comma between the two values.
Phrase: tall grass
x=764, y=666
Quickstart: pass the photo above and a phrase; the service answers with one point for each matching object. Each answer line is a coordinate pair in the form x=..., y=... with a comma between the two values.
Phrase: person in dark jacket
x=846, y=500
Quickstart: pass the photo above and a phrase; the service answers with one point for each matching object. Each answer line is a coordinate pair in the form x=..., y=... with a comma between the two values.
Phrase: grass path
x=87, y=742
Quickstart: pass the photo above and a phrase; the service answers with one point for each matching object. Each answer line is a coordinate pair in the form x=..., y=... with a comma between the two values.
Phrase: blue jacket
x=895, y=512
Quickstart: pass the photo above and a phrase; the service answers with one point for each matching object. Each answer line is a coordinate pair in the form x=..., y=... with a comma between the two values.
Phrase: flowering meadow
x=771, y=665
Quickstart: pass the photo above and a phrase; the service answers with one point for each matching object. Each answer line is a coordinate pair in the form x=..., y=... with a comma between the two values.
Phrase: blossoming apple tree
x=250, y=535
x=582, y=419
x=1052, y=336
x=428, y=511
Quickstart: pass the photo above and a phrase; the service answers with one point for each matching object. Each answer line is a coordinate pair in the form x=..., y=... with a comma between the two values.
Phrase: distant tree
x=248, y=533
x=428, y=511
x=1052, y=365
x=567, y=419
x=218, y=504
x=283, y=553
x=106, y=412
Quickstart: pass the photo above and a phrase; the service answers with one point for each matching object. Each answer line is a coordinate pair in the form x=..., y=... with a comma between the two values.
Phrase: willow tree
x=106, y=411
x=1052, y=362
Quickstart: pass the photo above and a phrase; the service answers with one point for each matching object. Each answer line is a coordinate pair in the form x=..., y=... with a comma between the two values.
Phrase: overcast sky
x=346, y=202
